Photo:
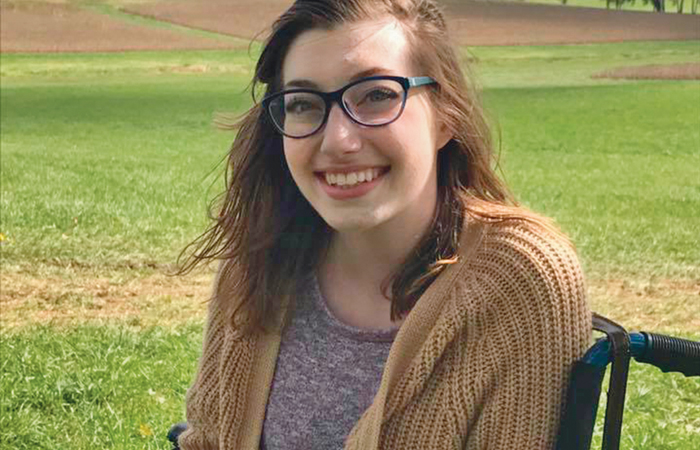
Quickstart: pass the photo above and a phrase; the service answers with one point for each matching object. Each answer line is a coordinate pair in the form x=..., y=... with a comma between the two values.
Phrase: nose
x=340, y=134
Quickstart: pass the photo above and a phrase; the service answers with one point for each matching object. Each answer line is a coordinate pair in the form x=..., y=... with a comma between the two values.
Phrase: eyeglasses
x=372, y=102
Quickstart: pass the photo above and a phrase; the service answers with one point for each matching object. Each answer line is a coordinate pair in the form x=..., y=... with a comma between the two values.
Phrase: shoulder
x=530, y=245
x=522, y=268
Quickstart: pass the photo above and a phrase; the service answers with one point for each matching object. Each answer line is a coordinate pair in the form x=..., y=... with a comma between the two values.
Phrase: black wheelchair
x=668, y=353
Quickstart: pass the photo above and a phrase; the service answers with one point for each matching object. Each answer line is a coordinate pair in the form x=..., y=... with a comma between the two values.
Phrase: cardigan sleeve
x=202, y=401
x=540, y=324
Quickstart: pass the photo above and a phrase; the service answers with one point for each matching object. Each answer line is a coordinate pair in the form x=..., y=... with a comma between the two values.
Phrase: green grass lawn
x=94, y=387
x=114, y=171
x=109, y=160
x=613, y=166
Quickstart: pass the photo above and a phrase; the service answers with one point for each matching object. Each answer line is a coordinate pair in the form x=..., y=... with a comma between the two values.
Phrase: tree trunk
x=680, y=6
x=657, y=5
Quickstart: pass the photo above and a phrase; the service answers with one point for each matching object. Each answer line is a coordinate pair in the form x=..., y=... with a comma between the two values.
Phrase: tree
x=659, y=5
x=681, y=3
x=618, y=3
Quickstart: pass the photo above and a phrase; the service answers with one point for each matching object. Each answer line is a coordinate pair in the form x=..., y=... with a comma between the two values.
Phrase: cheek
x=298, y=155
x=418, y=124
x=292, y=153
x=414, y=144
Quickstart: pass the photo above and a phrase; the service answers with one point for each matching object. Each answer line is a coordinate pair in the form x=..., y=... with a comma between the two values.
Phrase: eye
x=298, y=107
x=380, y=95
x=302, y=104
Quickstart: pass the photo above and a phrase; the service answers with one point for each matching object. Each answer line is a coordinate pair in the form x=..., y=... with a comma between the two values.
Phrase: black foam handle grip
x=672, y=354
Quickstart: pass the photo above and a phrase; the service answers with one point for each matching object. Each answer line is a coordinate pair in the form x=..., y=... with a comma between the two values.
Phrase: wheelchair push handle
x=671, y=354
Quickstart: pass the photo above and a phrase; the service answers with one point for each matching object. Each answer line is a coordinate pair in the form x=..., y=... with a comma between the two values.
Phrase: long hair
x=269, y=238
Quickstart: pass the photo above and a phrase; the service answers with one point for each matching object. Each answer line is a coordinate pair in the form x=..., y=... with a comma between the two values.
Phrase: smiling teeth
x=352, y=178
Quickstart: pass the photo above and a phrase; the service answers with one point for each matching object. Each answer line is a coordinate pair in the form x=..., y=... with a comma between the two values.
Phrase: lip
x=360, y=189
x=349, y=169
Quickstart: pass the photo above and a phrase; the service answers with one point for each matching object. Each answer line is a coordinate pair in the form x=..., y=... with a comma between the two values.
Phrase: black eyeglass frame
x=337, y=97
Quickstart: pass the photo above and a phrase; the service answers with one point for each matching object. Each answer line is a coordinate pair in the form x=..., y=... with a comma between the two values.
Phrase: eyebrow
x=304, y=83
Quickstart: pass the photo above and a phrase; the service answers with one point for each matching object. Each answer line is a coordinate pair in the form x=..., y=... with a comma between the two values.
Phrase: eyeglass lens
x=371, y=102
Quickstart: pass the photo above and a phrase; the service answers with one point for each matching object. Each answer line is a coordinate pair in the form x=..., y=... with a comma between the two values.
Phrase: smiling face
x=357, y=177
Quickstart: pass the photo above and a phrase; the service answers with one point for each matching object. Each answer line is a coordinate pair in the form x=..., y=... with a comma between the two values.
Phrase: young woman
x=378, y=287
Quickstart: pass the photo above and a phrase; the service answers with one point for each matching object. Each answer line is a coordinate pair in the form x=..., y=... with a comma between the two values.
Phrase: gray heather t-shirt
x=327, y=375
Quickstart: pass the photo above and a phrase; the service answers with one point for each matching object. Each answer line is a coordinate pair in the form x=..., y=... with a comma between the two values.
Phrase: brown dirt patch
x=662, y=306
x=69, y=296
x=495, y=23
x=29, y=26
x=688, y=71
x=242, y=18
x=50, y=27
x=470, y=22
x=77, y=296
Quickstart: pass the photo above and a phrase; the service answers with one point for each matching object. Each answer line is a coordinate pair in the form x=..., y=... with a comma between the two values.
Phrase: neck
x=371, y=256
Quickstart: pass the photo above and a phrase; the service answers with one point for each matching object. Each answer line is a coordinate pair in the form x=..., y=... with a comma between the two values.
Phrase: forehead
x=330, y=58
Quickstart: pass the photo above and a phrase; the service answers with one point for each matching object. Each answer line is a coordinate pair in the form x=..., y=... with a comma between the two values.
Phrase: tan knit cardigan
x=481, y=362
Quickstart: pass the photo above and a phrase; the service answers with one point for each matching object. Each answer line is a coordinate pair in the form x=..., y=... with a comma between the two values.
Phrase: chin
x=347, y=223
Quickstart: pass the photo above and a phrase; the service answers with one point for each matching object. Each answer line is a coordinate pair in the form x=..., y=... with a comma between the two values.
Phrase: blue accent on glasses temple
x=420, y=81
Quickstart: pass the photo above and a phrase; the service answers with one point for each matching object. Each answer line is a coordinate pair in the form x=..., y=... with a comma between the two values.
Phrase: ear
x=443, y=135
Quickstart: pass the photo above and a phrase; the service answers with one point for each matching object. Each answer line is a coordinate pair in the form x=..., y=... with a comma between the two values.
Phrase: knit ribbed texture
x=481, y=362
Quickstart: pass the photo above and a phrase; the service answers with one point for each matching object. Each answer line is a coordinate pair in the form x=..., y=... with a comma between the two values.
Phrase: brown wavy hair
x=269, y=238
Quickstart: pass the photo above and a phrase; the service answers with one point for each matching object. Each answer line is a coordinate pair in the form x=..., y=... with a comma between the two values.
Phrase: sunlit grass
x=62, y=68
x=550, y=66
x=103, y=166
x=110, y=173
x=94, y=387
x=662, y=411
x=616, y=166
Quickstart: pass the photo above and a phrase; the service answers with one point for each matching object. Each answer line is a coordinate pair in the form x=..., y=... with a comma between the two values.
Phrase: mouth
x=352, y=179
x=351, y=184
